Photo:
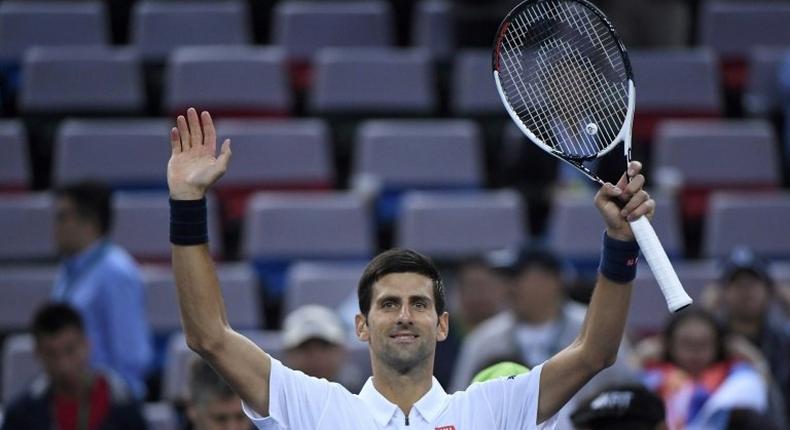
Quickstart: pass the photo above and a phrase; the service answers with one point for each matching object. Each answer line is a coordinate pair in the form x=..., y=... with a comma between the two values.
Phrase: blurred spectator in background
x=103, y=282
x=702, y=373
x=71, y=395
x=315, y=343
x=212, y=403
x=650, y=23
x=621, y=407
x=539, y=322
x=480, y=293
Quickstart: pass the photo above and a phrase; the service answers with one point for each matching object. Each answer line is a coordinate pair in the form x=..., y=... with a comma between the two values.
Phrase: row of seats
x=732, y=28
x=281, y=227
x=255, y=80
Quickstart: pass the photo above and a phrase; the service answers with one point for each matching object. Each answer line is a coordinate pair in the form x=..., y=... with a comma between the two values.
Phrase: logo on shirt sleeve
x=445, y=428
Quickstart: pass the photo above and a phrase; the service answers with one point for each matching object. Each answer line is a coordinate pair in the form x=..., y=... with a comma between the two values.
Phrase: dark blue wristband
x=619, y=259
x=188, y=222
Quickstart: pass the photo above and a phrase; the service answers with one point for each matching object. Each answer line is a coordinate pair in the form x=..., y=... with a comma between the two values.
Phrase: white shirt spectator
x=298, y=401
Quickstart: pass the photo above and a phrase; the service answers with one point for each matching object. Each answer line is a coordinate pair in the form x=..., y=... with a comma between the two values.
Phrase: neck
x=541, y=315
x=404, y=390
x=749, y=327
x=77, y=388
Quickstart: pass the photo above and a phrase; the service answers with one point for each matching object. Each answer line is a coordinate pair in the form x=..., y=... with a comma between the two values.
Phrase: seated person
x=212, y=403
x=621, y=407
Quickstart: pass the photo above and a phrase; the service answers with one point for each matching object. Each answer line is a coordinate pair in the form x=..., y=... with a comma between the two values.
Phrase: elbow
x=205, y=345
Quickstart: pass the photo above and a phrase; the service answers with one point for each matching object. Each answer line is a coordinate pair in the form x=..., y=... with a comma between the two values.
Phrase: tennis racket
x=564, y=77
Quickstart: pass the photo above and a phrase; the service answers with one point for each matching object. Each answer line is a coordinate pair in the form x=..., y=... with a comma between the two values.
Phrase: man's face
x=694, y=345
x=535, y=293
x=64, y=356
x=219, y=414
x=481, y=293
x=402, y=326
x=746, y=296
x=317, y=357
x=72, y=231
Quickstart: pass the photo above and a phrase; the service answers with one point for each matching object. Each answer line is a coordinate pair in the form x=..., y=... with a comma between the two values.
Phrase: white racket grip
x=662, y=269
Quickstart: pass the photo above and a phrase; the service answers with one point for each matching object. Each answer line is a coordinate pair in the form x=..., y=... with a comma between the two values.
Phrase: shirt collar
x=78, y=262
x=429, y=406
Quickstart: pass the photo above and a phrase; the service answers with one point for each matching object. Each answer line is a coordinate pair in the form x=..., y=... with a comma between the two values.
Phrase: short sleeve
x=514, y=401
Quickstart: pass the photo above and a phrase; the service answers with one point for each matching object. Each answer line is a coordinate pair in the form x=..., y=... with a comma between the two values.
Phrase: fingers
x=224, y=156
x=209, y=133
x=183, y=132
x=606, y=194
x=175, y=140
x=196, y=134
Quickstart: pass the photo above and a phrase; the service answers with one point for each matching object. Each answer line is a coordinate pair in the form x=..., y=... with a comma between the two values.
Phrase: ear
x=444, y=327
x=191, y=412
x=361, y=326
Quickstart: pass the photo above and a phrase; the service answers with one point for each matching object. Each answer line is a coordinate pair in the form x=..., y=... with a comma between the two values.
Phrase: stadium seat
x=734, y=28
x=239, y=291
x=745, y=158
x=158, y=27
x=160, y=416
x=324, y=283
x=433, y=28
x=125, y=153
x=142, y=221
x=757, y=220
x=26, y=225
x=275, y=155
x=66, y=23
x=373, y=81
x=452, y=226
x=400, y=155
x=91, y=80
x=14, y=165
x=228, y=81
x=575, y=229
x=473, y=89
x=691, y=74
x=24, y=288
x=762, y=95
x=20, y=367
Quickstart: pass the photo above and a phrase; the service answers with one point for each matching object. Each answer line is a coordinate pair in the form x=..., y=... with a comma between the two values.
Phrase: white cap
x=312, y=322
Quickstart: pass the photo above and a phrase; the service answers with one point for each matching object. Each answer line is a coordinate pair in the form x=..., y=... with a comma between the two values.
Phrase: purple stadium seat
x=160, y=416
x=324, y=283
x=68, y=79
x=433, y=28
x=24, y=289
x=228, y=80
x=14, y=164
x=158, y=27
x=26, y=225
x=373, y=80
x=141, y=225
x=757, y=220
x=126, y=153
x=19, y=365
x=473, y=88
x=450, y=226
x=239, y=291
x=66, y=23
x=762, y=95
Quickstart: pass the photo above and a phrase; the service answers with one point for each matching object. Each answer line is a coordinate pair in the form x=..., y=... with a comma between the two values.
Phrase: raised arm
x=596, y=346
x=192, y=169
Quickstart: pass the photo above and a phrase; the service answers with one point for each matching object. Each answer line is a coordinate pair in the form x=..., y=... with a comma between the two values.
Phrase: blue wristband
x=619, y=259
x=188, y=222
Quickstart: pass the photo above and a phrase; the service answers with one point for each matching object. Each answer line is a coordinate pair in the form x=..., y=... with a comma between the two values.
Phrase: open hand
x=624, y=202
x=193, y=165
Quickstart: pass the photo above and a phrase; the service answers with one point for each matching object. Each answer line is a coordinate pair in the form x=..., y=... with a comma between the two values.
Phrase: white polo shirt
x=301, y=402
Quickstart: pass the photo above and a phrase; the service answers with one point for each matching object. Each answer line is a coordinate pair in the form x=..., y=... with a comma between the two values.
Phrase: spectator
x=702, y=373
x=481, y=294
x=621, y=407
x=71, y=394
x=315, y=343
x=103, y=282
x=212, y=403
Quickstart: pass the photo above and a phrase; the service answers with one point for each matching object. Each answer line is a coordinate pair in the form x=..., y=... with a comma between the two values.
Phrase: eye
x=388, y=304
x=420, y=304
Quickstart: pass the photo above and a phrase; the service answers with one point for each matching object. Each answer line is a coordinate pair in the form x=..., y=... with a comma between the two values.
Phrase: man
x=315, y=343
x=103, y=282
x=622, y=407
x=402, y=317
x=70, y=395
x=212, y=403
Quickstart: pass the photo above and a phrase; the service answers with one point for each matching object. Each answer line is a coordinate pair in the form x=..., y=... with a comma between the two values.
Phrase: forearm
x=199, y=297
x=604, y=323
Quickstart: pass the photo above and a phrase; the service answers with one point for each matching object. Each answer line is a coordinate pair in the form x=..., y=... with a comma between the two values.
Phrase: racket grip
x=662, y=269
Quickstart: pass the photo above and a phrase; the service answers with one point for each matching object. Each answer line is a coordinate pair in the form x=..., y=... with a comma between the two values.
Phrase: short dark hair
x=399, y=261
x=205, y=384
x=92, y=200
x=700, y=314
x=52, y=318
x=533, y=258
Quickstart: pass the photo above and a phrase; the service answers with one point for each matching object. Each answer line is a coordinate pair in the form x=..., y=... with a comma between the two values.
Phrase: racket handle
x=662, y=269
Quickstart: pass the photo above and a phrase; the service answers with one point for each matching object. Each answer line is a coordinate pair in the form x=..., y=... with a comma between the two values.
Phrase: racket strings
x=555, y=81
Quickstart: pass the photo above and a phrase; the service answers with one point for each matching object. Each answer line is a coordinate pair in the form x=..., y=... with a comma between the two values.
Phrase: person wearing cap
x=746, y=294
x=621, y=407
x=315, y=343
x=402, y=317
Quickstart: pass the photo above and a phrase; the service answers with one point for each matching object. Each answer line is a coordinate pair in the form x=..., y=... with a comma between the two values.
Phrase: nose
x=404, y=316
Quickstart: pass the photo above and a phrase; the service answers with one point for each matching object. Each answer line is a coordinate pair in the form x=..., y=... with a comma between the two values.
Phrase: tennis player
x=402, y=317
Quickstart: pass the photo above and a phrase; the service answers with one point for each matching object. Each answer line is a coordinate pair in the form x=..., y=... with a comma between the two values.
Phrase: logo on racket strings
x=591, y=129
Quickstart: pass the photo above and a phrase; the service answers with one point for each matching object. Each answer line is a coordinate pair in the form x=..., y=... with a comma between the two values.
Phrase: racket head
x=564, y=77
